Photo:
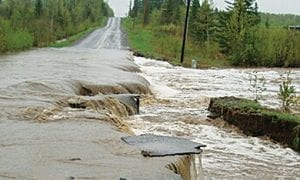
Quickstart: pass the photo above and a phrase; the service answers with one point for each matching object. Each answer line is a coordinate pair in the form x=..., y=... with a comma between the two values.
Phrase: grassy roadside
x=75, y=38
x=72, y=39
x=165, y=44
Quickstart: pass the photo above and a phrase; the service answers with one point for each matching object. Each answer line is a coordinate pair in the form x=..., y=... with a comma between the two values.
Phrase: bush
x=278, y=47
x=257, y=85
x=3, y=25
x=2, y=41
x=19, y=40
x=287, y=92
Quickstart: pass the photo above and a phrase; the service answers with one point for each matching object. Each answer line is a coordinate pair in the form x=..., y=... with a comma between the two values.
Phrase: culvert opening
x=123, y=95
x=84, y=91
x=77, y=104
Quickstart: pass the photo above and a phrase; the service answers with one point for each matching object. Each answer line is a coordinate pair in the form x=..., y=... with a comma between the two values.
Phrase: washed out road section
x=58, y=120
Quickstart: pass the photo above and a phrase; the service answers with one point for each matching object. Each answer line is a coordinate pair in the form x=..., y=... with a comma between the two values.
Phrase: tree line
x=239, y=34
x=27, y=23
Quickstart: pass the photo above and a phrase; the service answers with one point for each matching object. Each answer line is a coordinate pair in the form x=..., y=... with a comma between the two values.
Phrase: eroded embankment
x=256, y=121
x=189, y=167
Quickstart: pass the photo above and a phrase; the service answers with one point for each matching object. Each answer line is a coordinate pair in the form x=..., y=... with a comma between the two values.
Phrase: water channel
x=178, y=108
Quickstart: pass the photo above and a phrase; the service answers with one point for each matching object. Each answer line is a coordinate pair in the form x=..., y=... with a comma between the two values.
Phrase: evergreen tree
x=193, y=32
x=130, y=8
x=38, y=10
x=267, y=23
x=136, y=8
x=238, y=34
x=204, y=25
x=146, y=13
x=44, y=21
x=171, y=12
x=156, y=4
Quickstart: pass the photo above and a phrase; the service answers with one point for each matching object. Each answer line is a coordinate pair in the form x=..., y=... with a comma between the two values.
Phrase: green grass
x=72, y=39
x=165, y=44
x=250, y=106
x=282, y=115
x=19, y=40
x=239, y=104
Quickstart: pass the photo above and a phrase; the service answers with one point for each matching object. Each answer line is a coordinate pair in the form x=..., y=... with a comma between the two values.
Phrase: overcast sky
x=121, y=7
x=273, y=6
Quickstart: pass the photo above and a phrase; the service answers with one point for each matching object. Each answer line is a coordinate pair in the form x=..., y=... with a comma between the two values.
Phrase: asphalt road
x=109, y=37
x=43, y=137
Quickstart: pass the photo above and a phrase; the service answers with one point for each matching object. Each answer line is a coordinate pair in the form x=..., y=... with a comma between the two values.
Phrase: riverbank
x=256, y=120
x=146, y=42
x=164, y=42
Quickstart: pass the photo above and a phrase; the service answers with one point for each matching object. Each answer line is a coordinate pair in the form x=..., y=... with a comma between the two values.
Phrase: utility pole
x=185, y=30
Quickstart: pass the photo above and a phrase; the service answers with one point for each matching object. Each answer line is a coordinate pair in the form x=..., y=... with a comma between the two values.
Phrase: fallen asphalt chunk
x=159, y=146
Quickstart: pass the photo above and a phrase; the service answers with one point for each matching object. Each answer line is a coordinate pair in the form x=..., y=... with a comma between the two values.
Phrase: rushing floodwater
x=179, y=109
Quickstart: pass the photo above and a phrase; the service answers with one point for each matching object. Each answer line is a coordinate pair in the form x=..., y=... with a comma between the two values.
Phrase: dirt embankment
x=257, y=123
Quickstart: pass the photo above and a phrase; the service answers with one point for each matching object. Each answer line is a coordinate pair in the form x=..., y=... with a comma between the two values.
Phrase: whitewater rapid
x=179, y=108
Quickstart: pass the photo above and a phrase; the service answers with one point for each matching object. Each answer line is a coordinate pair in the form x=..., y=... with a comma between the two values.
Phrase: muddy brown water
x=56, y=113
x=178, y=108
x=53, y=110
x=42, y=85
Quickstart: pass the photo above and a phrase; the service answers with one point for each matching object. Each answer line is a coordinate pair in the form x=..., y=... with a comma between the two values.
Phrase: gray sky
x=121, y=7
x=272, y=6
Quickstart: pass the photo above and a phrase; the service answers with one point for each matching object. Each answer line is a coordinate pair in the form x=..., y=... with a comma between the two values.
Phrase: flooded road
x=178, y=108
x=56, y=115
x=60, y=117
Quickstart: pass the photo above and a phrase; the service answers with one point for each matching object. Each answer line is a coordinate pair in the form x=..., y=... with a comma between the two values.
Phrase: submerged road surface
x=57, y=119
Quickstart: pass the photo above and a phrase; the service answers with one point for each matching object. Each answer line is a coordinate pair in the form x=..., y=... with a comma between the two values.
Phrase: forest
x=37, y=23
x=238, y=36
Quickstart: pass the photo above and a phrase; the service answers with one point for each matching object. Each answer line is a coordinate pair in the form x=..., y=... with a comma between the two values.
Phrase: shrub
x=2, y=41
x=19, y=40
x=257, y=85
x=287, y=92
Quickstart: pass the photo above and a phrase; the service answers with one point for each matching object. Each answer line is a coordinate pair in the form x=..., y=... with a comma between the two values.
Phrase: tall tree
x=193, y=32
x=171, y=12
x=238, y=34
x=146, y=13
x=38, y=10
x=130, y=8
x=48, y=20
x=136, y=8
x=204, y=26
